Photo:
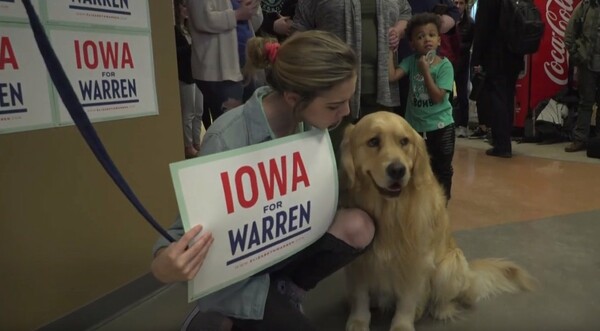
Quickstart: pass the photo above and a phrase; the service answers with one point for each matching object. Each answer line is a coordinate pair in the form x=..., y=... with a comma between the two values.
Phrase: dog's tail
x=491, y=276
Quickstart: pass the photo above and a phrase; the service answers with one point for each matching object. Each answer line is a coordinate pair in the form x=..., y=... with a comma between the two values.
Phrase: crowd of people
x=258, y=68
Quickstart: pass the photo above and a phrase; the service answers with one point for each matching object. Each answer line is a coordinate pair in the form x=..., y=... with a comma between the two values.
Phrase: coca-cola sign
x=558, y=13
x=548, y=69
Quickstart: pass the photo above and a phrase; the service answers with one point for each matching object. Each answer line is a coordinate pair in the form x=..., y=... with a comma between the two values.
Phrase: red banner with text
x=546, y=72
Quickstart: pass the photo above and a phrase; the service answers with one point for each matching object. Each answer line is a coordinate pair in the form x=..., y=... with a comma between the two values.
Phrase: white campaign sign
x=262, y=203
x=13, y=10
x=24, y=85
x=112, y=74
x=114, y=13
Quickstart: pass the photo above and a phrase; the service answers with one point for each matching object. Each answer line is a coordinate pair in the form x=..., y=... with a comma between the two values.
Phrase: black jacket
x=466, y=29
x=489, y=47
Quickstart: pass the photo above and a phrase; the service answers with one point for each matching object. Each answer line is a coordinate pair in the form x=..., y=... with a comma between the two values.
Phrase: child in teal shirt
x=431, y=78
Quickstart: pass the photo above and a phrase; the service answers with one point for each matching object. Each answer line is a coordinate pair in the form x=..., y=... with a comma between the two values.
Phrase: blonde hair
x=307, y=63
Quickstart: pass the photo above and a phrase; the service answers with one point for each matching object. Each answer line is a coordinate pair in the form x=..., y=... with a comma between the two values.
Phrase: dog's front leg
x=408, y=299
x=360, y=315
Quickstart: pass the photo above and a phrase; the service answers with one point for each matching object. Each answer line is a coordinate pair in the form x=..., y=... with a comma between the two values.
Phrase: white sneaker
x=461, y=132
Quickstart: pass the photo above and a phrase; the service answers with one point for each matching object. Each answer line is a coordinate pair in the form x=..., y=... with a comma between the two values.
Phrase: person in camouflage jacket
x=582, y=39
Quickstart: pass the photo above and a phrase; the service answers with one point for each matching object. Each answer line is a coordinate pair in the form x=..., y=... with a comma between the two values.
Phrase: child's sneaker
x=461, y=132
x=479, y=133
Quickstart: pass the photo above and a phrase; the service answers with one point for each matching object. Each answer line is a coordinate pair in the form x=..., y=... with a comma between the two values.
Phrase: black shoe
x=478, y=133
x=497, y=153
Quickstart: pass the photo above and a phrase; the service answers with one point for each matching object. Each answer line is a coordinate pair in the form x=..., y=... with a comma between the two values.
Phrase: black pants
x=279, y=315
x=498, y=96
x=306, y=269
x=440, y=146
x=404, y=85
x=215, y=95
x=461, y=109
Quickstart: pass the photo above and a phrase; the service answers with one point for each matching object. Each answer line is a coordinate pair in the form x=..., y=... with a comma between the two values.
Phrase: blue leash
x=71, y=102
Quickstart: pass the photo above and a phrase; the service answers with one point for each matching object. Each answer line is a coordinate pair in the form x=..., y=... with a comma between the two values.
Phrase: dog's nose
x=396, y=170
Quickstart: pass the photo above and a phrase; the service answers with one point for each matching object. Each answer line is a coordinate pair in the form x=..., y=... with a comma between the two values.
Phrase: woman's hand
x=393, y=38
x=181, y=260
x=283, y=25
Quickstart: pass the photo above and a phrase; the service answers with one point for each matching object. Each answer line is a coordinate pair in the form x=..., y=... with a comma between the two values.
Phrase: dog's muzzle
x=395, y=173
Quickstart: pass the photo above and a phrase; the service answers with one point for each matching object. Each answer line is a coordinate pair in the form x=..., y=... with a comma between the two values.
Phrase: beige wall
x=68, y=234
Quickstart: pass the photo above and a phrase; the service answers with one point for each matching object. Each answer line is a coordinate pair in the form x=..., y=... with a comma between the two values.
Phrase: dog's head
x=384, y=151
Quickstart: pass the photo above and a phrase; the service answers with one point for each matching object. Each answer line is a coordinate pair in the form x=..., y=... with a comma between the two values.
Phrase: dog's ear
x=421, y=167
x=346, y=157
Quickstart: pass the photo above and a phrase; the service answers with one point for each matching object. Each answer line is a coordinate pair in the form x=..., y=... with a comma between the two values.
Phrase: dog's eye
x=373, y=142
x=404, y=141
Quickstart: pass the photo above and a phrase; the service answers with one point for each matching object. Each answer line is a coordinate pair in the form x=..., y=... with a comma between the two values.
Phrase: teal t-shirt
x=421, y=112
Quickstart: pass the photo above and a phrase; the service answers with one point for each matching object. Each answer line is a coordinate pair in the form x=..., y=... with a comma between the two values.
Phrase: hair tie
x=271, y=49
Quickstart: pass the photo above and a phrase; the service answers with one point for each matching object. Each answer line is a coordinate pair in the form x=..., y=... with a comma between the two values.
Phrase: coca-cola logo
x=558, y=13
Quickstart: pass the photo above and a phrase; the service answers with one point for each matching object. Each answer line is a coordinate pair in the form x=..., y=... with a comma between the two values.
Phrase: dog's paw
x=357, y=325
x=446, y=312
x=403, y=327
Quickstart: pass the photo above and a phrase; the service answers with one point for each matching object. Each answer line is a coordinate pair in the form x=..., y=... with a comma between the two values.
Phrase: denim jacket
x=243, y=126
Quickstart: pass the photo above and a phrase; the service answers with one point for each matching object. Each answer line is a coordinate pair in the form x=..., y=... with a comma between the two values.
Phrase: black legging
x=306, y=269
x=440, y=146
x=279, y=315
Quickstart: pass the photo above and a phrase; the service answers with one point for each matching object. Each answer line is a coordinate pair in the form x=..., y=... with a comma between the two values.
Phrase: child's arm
x=436, y=94
x=395, y=73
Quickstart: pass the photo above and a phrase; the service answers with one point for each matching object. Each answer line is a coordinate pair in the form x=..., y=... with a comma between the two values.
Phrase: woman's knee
x=354, y=226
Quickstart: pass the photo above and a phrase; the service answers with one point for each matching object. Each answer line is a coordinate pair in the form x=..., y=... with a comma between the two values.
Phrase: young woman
x=311, y=78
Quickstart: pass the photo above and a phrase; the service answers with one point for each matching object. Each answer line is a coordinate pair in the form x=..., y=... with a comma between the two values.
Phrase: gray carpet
x=563, y=253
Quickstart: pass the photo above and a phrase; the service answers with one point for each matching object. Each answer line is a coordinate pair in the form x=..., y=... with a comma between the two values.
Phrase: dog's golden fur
x=413, y=259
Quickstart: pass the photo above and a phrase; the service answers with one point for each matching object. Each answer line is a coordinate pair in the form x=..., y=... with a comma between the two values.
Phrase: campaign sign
x=112, y=74
x=262, y=203
x=24, y=85
x=111, y=13
x=13, y=10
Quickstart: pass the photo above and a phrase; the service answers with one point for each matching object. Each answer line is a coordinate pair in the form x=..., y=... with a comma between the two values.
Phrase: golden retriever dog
x=413, y=259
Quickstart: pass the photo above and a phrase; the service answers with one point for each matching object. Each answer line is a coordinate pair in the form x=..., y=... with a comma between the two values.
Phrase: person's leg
x=231, y=94
x=220, y=97
x=249, y=89
x=511, y=89
x=279, y=314
x=440, y=146
x=211, y=102
x=351, y=232
x=500, y=113
x=483, y=118
x=587, y=96
x=462, y=94
x=403, y=84
x=197, y=120
x=186, y=99
x=597, y=84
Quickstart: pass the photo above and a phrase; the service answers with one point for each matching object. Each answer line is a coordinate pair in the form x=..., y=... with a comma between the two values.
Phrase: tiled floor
x=541, y=208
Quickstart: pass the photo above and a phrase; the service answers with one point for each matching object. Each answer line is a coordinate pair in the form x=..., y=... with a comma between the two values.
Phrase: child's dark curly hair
x=420, y=20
